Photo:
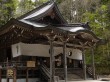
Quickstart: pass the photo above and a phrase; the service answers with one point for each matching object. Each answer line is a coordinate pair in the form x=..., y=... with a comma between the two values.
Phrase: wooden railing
x=22, y=73
x=21, y=68
x=12, y=64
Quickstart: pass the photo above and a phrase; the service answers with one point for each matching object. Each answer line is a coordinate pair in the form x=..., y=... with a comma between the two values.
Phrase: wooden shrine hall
x=40, y=46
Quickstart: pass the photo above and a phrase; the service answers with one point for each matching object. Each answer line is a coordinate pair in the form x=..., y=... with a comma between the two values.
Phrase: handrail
x=44, y=66
x=45, y=69
x=89, y=70
x=47, y=72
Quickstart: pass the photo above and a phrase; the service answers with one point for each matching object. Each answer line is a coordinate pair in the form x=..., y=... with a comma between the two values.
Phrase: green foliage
x=59, y=1
x=25, y=6
x=42, y=1
x=7, y=10
x=16, y=8
x=105, y=1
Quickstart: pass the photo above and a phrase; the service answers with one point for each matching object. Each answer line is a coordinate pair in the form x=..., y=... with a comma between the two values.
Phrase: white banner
x=42, y=50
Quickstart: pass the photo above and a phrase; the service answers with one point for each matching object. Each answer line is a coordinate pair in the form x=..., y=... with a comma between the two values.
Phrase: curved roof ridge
x=42, y=10
x=32, y=11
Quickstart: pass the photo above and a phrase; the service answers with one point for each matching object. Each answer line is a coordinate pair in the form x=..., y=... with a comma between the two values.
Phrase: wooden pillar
x=27, y=75
x=0, y=75
x=7, y=70
x=93, y=64
x=64, y=39
x=7, y=79
x=51, y=38
x=65, y=60
x=14, y=75
x=52, y=62
x=84, y=63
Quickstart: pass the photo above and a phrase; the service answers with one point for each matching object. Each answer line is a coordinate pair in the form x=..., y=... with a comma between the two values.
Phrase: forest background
x=96, y=12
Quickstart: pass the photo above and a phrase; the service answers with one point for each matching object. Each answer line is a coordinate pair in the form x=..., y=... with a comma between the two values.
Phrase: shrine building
x=41, y=46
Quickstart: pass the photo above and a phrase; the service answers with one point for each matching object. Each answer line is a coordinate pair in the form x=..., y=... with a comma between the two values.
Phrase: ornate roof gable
x=45, y=14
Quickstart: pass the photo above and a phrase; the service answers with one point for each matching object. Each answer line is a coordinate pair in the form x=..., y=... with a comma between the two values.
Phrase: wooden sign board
x=10, y=73
x=30, y=63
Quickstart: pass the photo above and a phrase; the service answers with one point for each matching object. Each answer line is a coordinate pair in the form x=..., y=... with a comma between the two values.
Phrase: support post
x=84, y=63
x=65, y=39
x=0, y=75
x=7, y=79
x=52, y=62
x=14, y=75
x=65, y=61
x=6, y=71
x=93, y=64
x=51, y=38
x=27, y=75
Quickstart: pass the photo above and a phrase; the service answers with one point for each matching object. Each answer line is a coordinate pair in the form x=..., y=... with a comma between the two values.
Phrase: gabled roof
x=34, y=23
x=41, y=12
x=72, y=30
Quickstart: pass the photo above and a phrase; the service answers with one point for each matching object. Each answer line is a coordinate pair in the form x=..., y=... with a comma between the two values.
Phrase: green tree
x=7, y=10
x=25, y=6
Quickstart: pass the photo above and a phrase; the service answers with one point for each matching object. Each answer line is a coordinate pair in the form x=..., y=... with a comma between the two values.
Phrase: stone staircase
x=72, y=74
x=73, y=77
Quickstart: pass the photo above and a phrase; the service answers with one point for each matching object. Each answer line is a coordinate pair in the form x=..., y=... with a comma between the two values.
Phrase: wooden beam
x=71, y=45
